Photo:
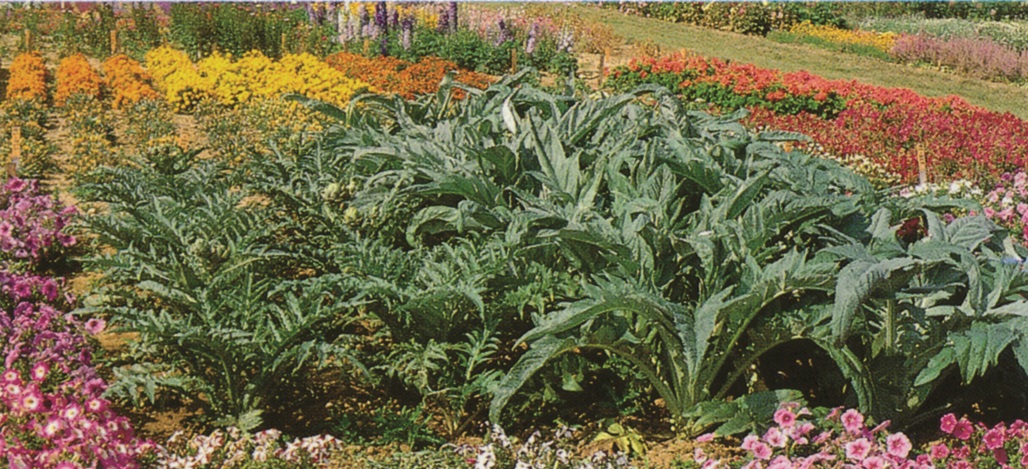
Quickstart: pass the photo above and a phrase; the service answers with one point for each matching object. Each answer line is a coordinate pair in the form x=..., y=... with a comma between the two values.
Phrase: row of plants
x=890, y=126
x=801, y=437
x=396, y=76
x=24, y=110
x=479, y=39
x=977, y=57
x=53, y=412
x=517, y=218
x=748, y=18
x=1010, y=34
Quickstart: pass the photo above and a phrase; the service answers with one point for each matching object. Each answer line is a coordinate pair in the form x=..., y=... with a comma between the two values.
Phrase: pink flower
x=963, y=430
x=853, y=421
x=994, y=438
x=705, y=438
x=948, y=423
x=939, y=452
x=874, y=462
x=95, y=326
x=32, y=400
x=775, y=438
x=785, y=418
x=749, y=441
x=898, y=445
x=761, y=451
x=40, y=371
x=857, y=450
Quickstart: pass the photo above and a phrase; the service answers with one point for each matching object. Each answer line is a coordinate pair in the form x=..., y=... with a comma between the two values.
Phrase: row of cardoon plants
x=802, y=438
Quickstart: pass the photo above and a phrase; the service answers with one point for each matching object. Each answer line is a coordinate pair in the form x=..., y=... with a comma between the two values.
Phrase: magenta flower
x=948, y=423
x=963, y=430
x=40, y=371
x=939, y=452
x=994, y=438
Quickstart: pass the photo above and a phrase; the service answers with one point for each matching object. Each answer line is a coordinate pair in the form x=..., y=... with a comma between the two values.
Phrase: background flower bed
x=889, y=126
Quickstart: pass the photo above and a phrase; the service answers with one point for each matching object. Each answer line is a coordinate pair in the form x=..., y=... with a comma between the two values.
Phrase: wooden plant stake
x=114, y=41
x=603, y=65
x=922, y=166
x=367, y=46
x=12, y=164
x=28, y=40
x=283, y=43
x=513, y=61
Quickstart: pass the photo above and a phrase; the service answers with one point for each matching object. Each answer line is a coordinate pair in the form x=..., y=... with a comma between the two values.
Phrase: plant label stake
x=12, y=165
x=283, y=43
x=28, y=40
x=367, y=46
x=114, y=41
x=599, y=72
x=513, y=61
x=922, y=166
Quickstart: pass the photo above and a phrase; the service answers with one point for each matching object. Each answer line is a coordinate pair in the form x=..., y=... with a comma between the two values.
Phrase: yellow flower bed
x=231, y=82
x=880, y=41
x=175, y=77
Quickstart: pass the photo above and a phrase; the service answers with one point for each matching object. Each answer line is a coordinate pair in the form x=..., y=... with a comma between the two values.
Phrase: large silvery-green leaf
x=858, y=281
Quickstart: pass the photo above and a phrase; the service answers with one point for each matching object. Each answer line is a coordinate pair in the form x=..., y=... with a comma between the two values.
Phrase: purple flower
x=530, y=42
x=453, y=16
x=505, y=33
x=381, y=17
x=443, y=25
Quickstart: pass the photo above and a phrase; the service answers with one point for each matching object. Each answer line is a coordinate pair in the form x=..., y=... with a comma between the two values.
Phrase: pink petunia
x=898, y=445
x=939, y=452
x=963, y=430
x=785, y=418
x=775, y=437
x=858, y=449
x=853, y=421
x=948, y=423
x=874, y=462
x=994, y=438
x=761, y=451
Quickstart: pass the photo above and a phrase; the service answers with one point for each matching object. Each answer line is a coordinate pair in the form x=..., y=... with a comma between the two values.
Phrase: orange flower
x=28, y=77
x=392, y=75
x=76, y=76
x=126, y=81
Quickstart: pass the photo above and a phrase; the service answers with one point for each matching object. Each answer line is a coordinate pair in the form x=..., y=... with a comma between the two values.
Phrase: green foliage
x=908, y=312
x=195, y=272
x=203, y=28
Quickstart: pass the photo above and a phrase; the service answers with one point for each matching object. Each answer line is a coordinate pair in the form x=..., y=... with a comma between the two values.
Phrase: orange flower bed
x=28, y=77
x=76, y=76
x=392, y=75
x=127, y=81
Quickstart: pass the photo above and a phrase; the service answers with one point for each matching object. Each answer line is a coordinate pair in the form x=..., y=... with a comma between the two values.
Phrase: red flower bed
x=887, y=125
